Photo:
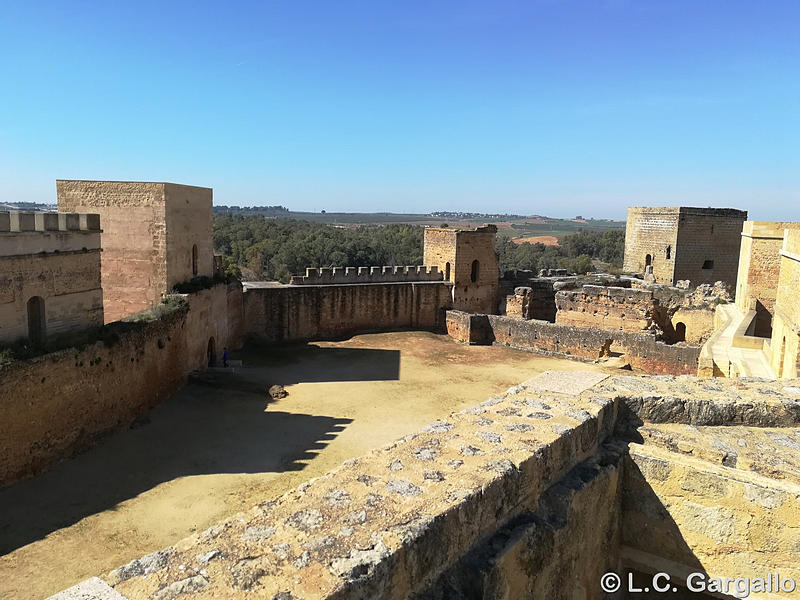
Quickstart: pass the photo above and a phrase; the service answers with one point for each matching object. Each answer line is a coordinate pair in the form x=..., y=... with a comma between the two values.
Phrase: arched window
x=680, y=332
x=194, y=259
x=648, y=260
x=475, y=271
x=669, y=252
x=37, y=323
x=447, y=271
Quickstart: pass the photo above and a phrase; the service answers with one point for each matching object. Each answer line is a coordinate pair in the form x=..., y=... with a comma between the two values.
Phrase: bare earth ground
x=217, y=447
x=547, y=240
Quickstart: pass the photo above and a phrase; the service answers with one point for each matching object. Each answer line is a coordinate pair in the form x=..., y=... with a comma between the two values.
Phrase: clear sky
x=540, y=106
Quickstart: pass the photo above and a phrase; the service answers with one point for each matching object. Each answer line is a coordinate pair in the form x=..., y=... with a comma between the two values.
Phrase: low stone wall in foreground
x=523, y=495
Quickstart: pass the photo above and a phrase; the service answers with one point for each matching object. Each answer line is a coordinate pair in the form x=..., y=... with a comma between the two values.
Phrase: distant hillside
x=516, y=226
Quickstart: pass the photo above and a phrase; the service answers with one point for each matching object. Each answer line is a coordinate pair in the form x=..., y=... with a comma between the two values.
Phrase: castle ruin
x=537, y=492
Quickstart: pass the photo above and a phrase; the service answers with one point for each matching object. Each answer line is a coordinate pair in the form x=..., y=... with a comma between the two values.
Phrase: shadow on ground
x=309, y=363
x=196, y=432
x=216, y=425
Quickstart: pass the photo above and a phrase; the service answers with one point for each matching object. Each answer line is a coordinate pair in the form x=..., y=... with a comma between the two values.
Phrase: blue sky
x=549, y=107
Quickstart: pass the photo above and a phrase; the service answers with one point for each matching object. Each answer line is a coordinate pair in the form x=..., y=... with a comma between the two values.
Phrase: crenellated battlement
x=350, y=275
x=29, y=233
x=23, y=222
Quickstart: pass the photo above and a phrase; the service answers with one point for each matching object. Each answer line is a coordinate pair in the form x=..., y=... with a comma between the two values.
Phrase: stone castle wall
x=149, y=230
x=784, y=348
x=759, y=268
x=533, y=493
x=57, y=404
x=594, y=306
x=708, y=235
x=55, y=257
x=641, y=350
x=348, y=275
x=305, y=312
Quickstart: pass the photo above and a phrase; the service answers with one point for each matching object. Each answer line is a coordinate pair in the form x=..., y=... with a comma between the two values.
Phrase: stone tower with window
x=682, y=243
x=155, y=235
x=468, y=259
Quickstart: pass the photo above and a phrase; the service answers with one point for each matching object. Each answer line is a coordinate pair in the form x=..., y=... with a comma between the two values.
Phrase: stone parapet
x=350, y=275
x=485, y=492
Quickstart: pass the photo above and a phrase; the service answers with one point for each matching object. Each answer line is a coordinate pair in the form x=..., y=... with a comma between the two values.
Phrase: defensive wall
x=610, y=307
x=759, y=268
x=641, y=349
x=57, y=404
x=155, y=235
x=784, y=351
x=282, y=313
x=49, y=274
x=534, y=493
x=344, y=275
x=684, y=243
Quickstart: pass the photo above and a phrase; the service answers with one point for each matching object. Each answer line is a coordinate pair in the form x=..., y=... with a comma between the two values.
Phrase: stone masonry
x=540, y=489
x=49, y=274
x=468, y=259
x=680, y=243
x=155, y=235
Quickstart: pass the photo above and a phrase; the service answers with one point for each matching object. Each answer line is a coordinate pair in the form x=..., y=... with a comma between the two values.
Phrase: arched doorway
x=211, y=352
x=648, y=260
x=447, y=271
x=476, y=266
x=37, y=322
x=194, y=259
x=680, y=332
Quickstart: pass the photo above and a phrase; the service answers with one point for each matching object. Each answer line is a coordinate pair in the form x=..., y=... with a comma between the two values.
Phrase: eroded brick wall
x=594, y=306
x=785, y=343
x=759, y=269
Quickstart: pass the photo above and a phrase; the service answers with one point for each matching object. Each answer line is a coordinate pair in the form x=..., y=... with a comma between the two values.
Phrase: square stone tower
x=468, y=259
x=679, y=242
x=155, y=235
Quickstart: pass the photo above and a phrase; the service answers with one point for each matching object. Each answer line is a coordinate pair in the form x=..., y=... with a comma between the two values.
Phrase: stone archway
x=680, y=332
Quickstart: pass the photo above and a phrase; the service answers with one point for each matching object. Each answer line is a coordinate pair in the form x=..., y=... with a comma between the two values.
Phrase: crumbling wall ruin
x=641, y=350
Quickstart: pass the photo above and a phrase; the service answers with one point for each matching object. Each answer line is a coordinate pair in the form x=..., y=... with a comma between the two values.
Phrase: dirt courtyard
x=218, y=447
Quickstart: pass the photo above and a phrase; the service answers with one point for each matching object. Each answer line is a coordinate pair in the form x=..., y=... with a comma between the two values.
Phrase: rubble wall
x=641, y=350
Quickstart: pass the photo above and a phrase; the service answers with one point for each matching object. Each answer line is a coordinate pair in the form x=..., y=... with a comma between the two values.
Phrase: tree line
x=276, y=249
